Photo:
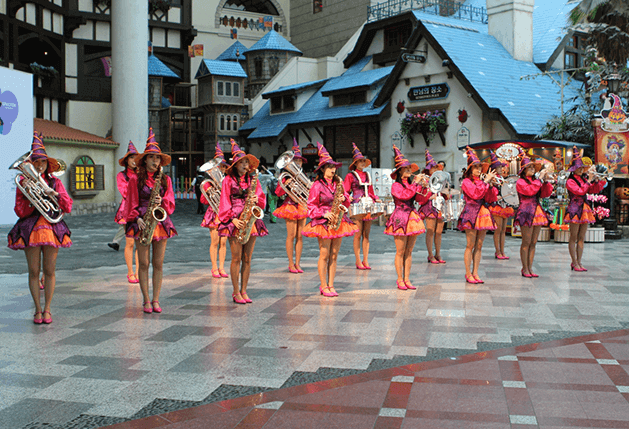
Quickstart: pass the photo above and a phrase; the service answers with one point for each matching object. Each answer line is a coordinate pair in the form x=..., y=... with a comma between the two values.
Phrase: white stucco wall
x=90, y=116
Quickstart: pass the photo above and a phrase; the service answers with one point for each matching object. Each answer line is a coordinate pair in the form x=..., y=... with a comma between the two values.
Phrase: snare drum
x=390, y=207
x=379, y=209
x=359, y=210
x=452, y=209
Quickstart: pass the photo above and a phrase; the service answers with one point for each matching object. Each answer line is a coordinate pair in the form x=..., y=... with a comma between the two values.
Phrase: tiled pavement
x=103, y=361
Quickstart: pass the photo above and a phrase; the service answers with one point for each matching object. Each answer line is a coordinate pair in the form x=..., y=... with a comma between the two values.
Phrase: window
x=257, y=63
x=395, y=37
x=228, y=89
x=236, y=86
x=358, y=97
x=222, y=123
x=228, y=122
x=317, y=6
x=219, y=88
x=235, y=123
x=274, y=65
x=574, y=52
x=86, y=178
x=284, y=103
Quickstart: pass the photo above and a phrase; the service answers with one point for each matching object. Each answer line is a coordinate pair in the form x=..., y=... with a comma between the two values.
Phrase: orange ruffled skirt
x=291, y=212
x=320, y=231
x=159, y=233
x=587, y=216
x=42, y=235
x=415, y=226
x=504, y=212
x=540, y=217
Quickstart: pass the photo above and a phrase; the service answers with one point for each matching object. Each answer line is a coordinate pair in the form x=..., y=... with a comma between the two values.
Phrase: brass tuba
x=299, y=187
x=439, y=180
x=36, y=187
x=215, y=178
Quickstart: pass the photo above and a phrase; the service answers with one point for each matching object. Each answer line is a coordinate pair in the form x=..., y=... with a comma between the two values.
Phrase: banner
x=198, y=50
x=268, y=21
x=612, y=150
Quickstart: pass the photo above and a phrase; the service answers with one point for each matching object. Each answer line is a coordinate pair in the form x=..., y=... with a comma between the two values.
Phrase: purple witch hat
x=238, y=154
x=131, y=151
x=472, y=159
x=401, y=162
x=218, y=153
x=325, y=158
x=357, y=156
x=38, y=151
x=152, y=148
x=576, y=162
x=526, y=161
x=297, y=152
x=496, y=163
x=430, y=161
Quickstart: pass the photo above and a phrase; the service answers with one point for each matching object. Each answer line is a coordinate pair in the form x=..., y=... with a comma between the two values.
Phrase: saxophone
x=338, y=209
x=250, y=213
x=154, y=213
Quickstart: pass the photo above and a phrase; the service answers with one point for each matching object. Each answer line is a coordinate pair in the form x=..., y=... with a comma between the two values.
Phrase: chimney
x=511, y=23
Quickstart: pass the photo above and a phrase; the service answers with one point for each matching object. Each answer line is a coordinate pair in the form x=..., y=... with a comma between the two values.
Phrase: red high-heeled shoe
x=246, y=297
x=470, y=279
x=222, y=273
x=293, y=270
x=367, y=267
x=478, y=280
x=323, y=292
x=36, y=320
x=534, y=275
x=216, y=274
x=46, y=320
x=238, y=300
x=299, y=270
x=409, y=285
x=401, y=285
x=525, y=275
x=360, y=267
x=156, y=307
x=433, y=260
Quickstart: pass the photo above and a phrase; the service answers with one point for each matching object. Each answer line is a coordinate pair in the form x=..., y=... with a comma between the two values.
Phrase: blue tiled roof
x=295, y=87
x=354, y=80
x=273, y=41
x=486, y=64
x=358, y=66
x=230, y=53
x=550, y=20
x=158, y=68
x=220, y=68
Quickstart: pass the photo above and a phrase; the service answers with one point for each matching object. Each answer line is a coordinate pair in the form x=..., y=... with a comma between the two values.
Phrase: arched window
x=235, y=123
x=84, y=173
x=86, y=177
x=222, y=123
x=229, y=123
x=256, y=6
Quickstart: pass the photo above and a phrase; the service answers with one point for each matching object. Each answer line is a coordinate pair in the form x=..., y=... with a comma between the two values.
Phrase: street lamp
x=614, y=80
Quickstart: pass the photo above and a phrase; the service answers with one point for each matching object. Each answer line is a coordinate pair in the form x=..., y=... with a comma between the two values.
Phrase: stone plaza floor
x=512, y=352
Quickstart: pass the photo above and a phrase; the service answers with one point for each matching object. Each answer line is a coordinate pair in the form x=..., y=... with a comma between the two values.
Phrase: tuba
x=299, y=187
x=35, y=190
x=215, y=178
x=250, y=213
x=437, y=182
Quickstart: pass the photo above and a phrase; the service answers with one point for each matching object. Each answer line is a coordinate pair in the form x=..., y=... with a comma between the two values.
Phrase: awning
x=527, y=144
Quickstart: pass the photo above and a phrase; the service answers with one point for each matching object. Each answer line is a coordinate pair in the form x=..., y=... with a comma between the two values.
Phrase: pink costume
x=578, y=210
x=427, y=209
x=478, y=195
x=405, y=220
x=138, y=202
x=289, y=209
x=357, y=190
x=233, y=197
x=122, y=180
x=530, y=212
x=320, y=202
x=210, y=220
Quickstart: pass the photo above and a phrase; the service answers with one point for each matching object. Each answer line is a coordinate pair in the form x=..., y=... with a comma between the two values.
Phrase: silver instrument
x=361, y=209
x=439, y=180
x=508, y=193
x=548, y=170
x=452, y=209
x=379, y=209
x=298, y=187
x=215, y=178
x=601, y=171
x=390, y=207
x=36, y=189
x=497, y=180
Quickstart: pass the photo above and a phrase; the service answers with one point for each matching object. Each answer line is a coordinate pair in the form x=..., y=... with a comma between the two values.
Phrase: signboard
x=463, y=137
x=16, y=132
x=612, y=138
x=413, y=58
x=428, y=92
x=310, y=149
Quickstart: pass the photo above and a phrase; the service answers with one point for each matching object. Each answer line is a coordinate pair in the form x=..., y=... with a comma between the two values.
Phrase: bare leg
x=497, y=234
x=438, y=232
x=234, y=268
x=291, y=232
x=503, y=233
x=214, y=245
x=408, y=256
x=159, y=250
x=400, y=250
x=222, y=252
x=128, y=255
x=322, y=265
x=360, y=224
x=527, y=236
x=143, y=274
x=299, y=244
x=431, y=225
x=470, y=235
x=50, y=262
x=534, y=237
x=478, y=251
x=33, y=260
x=366, y=231
x=572, y=244
x=583, y=228
x=334, y=253
x=247, y=252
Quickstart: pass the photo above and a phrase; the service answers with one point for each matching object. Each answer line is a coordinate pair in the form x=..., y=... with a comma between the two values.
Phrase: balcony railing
x=447, y=8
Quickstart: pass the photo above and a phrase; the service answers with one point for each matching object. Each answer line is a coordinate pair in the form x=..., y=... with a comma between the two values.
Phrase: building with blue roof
x=236, y=52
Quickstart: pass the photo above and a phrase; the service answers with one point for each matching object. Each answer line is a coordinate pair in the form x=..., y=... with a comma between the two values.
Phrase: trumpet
x=497, y=180
x=299, y=187
x=421, y=178
x=601, y=171
x=36, y=189
x=547, y=174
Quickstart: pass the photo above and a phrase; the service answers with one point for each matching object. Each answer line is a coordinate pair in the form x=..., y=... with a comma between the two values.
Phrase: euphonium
x=299, y=187
x=215, y=178
x=36, y=188
x=250, y=213
x=338, y=209
x=438, y=181
x=154, y=213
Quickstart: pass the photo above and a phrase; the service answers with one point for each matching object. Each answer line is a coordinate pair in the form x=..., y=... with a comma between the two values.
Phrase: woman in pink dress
x=500, y=212
x=139, y=193
x=358, y=184
x=475, y=218
x=578, y=213
x=530, y=215
x=122, y=180
x=324, y=222
x=38, y=237
x=405, y=223
x=236, y=184
x=295, y=216
x=218, y=245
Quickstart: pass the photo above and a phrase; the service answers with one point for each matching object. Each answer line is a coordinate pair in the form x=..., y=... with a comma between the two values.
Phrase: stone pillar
x=511, y=23
x=129, y=89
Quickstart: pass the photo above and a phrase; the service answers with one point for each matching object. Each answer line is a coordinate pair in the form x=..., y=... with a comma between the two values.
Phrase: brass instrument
x=299, y=187
x=548, y=170
x=497, y=180
x=601, y=171
x=215, y=178
x=439, y=180
x=36, y=189
x=424, y=180
x=250, y=213
x=338, y=209
x=154, y=213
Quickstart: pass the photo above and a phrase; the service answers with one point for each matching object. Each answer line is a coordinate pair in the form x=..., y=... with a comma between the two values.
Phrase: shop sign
x=463, y=137
x=428, y=92
x=309, y=150
x=508, y=151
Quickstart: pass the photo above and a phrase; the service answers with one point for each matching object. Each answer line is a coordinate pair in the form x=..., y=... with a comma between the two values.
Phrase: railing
x=449, y=8
x=182, y=189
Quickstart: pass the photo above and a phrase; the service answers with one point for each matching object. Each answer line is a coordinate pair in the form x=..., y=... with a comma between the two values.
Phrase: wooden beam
x=303, y=130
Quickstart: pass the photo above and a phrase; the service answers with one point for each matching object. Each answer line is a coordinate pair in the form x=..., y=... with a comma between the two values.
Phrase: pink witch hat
x=238, y=155
x=297, y=152
x=131, y=151
x=496, y=163
x=576, y=162
x=472, y=159
x=430, y=161
x=38, y=151
x=357, y=156
x=401, y=162
x=526, y=161
x=325, y=158
x=219, y=154
x=152, y=147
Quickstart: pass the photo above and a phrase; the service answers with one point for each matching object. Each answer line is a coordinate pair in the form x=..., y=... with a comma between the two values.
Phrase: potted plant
x=424, y=123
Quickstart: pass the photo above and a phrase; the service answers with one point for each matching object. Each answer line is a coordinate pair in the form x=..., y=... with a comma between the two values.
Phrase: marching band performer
x=325, y=200
x=431, y=216
x=295, y=216
x=358, y=184
x=530, y=216
x=122, y=180
x=37, y=235
x=476, y=219
x=218, y=245
x=499, y=213
x=578, y=213
x=238, y=195
x=142, y=196
x=405, y=223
